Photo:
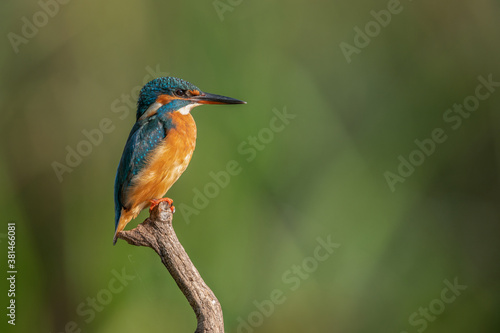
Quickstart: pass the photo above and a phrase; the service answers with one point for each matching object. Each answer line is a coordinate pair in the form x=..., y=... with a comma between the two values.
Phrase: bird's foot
x=155, y=203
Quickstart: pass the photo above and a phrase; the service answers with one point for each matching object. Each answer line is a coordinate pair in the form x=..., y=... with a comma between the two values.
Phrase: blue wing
x=145, y=136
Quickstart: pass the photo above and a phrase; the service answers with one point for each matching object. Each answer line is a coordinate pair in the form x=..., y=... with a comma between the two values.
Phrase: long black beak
x=206, y=98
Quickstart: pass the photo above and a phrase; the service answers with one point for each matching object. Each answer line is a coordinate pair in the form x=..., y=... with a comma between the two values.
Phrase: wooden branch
x=158, y=233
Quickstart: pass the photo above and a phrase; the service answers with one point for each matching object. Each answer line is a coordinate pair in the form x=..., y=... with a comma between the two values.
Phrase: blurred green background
x=321, y=175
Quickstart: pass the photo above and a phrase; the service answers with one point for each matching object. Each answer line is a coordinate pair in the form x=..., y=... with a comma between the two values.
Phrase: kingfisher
x=159, y=146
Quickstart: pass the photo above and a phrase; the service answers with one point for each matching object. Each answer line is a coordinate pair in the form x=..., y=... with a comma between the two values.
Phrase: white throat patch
x=185, y=109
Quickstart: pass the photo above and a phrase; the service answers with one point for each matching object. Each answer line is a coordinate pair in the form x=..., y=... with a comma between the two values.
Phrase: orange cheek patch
x=164, y=99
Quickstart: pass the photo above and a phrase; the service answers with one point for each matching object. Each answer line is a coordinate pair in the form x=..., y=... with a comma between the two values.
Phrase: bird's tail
x=121, y=221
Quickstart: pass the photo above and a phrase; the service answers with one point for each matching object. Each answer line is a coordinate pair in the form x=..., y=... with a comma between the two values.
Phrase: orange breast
x=165, y=165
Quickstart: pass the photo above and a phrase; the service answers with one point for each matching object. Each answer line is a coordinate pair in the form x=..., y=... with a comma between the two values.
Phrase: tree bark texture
x=158, y=233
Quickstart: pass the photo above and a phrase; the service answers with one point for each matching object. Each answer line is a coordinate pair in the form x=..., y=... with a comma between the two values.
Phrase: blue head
x=173, y=94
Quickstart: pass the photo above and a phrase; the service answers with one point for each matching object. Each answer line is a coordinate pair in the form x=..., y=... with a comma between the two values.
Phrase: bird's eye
x=180, y=92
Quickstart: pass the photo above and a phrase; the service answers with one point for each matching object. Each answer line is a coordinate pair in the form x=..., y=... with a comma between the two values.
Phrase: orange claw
x=155, y=202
